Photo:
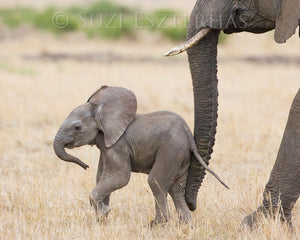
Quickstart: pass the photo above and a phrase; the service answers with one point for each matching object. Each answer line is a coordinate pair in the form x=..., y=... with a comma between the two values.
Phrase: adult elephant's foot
x=283, y=188
x=252, y=219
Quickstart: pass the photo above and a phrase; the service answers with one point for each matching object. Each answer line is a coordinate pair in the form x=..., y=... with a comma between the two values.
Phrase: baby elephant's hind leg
x=177, y=193
x=160, y=179
x=160, y=192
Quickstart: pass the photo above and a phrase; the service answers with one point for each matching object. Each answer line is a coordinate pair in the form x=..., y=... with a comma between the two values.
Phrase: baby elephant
x=159, y=144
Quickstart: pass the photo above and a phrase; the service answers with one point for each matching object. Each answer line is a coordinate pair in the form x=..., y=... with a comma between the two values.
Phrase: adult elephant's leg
x=283, y=188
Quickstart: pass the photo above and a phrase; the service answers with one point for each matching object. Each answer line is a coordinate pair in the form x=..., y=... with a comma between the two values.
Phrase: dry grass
x=42, y=197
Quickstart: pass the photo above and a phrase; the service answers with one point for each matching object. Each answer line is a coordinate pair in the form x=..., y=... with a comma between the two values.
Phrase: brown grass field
x=42, y=197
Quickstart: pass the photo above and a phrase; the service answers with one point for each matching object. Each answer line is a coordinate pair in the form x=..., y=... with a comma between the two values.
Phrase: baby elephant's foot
x=102, y=212
x=183, y=220
x=101, y=209
x=158, y=222
x=154, y=223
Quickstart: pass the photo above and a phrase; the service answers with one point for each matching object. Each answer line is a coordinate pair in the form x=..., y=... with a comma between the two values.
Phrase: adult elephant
x=208, y=18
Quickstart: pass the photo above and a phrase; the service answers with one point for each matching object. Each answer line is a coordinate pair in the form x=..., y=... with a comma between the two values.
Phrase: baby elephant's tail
x=197, y=155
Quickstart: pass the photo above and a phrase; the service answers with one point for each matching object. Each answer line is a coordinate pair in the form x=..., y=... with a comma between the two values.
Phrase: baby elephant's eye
x=77, y=128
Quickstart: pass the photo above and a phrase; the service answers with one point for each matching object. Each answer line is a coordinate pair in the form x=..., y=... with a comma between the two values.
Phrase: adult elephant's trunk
x=59, y=149
x=203, y=65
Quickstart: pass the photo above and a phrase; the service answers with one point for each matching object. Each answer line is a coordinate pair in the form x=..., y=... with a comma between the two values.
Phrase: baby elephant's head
x=110, y=110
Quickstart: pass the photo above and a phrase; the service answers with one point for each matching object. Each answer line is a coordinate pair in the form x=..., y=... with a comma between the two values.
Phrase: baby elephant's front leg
x=108, y=183
x=115, y=175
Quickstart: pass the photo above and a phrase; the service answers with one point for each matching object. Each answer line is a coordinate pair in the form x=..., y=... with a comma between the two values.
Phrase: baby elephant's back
x=160, y=126
x=150, y=132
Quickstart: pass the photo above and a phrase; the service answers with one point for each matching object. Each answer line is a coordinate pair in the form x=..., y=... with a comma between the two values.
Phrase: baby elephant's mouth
x=70, y=145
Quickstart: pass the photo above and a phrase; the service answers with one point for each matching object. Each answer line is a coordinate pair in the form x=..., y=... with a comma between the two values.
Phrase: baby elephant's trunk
x=59, y=149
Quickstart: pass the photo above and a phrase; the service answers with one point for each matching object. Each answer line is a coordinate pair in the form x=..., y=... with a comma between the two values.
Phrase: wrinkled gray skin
x=159, y=144
x=256, y=16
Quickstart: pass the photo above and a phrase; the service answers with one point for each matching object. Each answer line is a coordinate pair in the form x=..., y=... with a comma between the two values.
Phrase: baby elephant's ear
x=116, y=109
x=287, y=20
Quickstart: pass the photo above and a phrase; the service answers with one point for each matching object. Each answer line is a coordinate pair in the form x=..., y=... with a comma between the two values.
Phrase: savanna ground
x=43, y=78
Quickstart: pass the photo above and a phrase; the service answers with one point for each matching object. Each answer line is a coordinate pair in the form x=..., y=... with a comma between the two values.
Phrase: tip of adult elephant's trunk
x=59, y=149
x=192, y=205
